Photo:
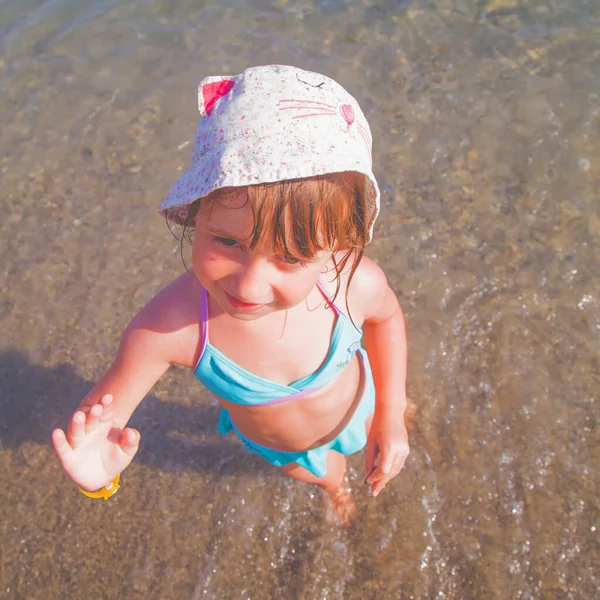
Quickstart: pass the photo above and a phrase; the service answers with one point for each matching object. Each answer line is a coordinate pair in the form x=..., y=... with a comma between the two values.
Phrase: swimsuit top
x=227, y=380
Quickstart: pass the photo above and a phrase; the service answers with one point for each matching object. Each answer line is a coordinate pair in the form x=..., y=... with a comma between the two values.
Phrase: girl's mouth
x=240, y=304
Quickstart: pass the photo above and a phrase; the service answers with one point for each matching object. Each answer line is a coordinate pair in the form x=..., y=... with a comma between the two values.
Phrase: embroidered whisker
x=323, y=114
x=364, y=135
x=329, y=112
x=318, y=108
x=364, y=132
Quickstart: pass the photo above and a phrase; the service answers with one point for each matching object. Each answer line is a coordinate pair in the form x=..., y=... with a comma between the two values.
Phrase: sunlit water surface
x=485, y=115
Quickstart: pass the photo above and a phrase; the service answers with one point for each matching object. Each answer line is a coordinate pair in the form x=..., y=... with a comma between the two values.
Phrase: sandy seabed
x=485, y=117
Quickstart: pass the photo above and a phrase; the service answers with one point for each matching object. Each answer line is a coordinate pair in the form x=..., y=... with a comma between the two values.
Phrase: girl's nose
x=253, y=282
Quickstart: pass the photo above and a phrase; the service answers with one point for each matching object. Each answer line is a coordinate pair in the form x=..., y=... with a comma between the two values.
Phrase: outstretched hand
x=94, y=451
x=386, y=451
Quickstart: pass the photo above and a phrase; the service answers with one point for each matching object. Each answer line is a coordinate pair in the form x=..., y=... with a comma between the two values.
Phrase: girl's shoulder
x=170, y=321
x=365, y=291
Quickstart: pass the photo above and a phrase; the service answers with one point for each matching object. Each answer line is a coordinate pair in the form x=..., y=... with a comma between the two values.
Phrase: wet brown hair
x=306, y=216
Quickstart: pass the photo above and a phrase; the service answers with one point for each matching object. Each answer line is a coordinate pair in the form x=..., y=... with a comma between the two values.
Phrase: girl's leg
x=332, y=482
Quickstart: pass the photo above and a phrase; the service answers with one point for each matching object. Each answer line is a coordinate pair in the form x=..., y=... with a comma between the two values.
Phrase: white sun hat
x=273, y=123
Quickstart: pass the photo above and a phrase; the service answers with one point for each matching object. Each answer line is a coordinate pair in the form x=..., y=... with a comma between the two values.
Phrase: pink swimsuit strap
x=203, y=323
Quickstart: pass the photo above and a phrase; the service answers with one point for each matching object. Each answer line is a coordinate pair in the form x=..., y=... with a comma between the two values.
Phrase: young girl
x=280, y=200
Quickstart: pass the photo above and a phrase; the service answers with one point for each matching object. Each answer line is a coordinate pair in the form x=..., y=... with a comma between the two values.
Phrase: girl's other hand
x=94, y=451
x=386, y=451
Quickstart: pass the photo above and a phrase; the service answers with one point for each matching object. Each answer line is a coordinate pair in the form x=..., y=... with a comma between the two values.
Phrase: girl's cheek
x=210, y=259
x=204, y=250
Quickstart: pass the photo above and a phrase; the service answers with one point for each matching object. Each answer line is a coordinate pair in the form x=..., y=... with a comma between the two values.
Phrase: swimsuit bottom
x=350, y=440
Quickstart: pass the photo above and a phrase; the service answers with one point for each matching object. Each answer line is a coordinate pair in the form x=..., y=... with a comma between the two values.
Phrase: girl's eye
x=292, y=261
x=226, y=241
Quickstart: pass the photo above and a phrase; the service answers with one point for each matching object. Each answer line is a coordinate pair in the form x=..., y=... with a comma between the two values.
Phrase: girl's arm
x=385, y=342
x=97, y=445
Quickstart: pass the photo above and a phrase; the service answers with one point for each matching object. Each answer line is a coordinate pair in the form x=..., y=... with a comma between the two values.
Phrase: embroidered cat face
x=257, y=106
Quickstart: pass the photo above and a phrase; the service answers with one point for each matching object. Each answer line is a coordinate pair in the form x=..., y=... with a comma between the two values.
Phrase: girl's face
x=247, y=283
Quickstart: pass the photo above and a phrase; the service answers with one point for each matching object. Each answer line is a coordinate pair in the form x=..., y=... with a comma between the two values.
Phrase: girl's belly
x=305, y=423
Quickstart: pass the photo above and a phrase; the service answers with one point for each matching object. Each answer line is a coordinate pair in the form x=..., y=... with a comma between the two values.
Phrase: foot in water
x=340, y=506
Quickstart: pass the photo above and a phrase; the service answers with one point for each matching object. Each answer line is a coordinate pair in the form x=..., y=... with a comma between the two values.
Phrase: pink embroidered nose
x=348, y=113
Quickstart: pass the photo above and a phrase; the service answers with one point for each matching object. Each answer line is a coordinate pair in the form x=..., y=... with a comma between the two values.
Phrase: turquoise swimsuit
x=227, y=380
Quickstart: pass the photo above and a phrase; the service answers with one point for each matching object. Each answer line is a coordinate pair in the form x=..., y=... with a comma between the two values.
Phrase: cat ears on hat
x=210, y=91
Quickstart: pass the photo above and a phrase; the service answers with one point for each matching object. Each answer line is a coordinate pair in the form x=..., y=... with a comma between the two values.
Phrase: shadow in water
x=35, y=399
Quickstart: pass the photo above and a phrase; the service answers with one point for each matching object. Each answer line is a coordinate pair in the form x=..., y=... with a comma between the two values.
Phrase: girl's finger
x=377, y=488
x=76, y=430
x=370, y=457
x=92, y=419
x=106, y=403
x=61, y=446
x=130, y=441
x=386, y=462
x=398, y=464
x=379, y=472
x=380, y=479
x=369, y=473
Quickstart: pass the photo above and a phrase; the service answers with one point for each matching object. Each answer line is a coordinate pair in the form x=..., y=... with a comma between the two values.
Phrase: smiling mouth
x=240, y=304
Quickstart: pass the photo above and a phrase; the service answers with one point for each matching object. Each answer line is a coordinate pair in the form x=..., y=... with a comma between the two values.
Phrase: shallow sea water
x=486, y=117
